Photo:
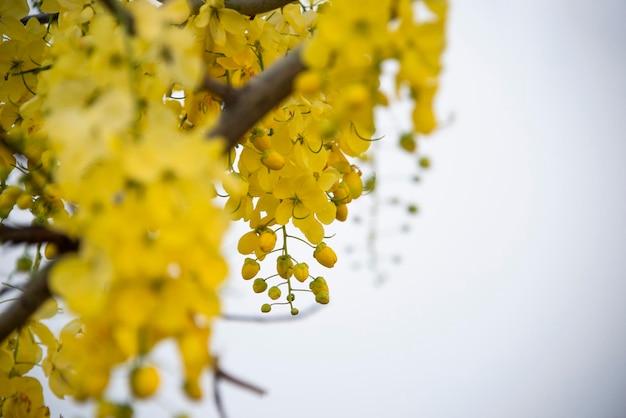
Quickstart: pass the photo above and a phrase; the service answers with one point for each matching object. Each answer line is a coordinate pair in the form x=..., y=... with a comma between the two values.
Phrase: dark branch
x=251, y=102
x=43, y=18
x=223, y=90
x=36, y=235
x=255, y=7
x=245, y=7
x=35, y=294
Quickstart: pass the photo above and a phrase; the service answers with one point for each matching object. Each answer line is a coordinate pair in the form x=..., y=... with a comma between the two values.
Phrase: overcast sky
x=509, y=301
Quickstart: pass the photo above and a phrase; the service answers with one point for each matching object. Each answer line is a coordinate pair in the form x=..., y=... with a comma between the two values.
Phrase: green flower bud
x=318, y=285
x=284, y=266
x=274, y=292
x=24, y=263
x=259, y=285
x=322, y=297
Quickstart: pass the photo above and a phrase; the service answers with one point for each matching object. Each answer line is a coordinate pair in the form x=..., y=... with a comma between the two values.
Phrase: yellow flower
x=302, y=199
x=26, y=399
x=11, y=11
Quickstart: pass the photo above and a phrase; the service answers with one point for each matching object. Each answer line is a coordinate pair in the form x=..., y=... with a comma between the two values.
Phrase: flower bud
x=318, y=285
x=274, y=292
x=50, y=251
x=407, y=142
x=266, y=307
x=284, y=266
x=259, y=285
x=272, y=159
x=25, y=201
x=250, y=268
x=267, y=240
x=24, y=263
x=322, y=297
x=301, y=272
x=144, y=381
x=325, y=255
x=262, y=142
x=342, y=194
x=342, y=212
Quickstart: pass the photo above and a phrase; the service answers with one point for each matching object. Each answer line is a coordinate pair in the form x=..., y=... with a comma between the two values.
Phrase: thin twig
x=217, y=394
x=221, y=374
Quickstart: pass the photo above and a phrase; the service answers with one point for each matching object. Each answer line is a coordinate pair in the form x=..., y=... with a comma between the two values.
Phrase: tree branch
x=36, y=235
x=251, y=102
x=245, y=7
x=35, y=294
x=223, y=90
x=36, y=291
x=43, y=18
x=255, y=7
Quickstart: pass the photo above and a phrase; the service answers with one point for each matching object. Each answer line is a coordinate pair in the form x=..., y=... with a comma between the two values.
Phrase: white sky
x=510, y=299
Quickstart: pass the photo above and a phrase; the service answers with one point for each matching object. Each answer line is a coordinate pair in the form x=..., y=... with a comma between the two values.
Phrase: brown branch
x=36, y=291
x=251, y=102
x=36, y=235
x=245, y=7
x=255, y=7
x=223, y=90
x=35, y=294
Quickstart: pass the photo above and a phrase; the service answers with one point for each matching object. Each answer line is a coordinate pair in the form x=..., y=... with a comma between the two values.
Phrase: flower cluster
x=106, y=140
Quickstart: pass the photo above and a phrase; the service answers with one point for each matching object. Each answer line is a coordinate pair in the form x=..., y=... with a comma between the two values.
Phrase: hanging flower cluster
x=109, y=112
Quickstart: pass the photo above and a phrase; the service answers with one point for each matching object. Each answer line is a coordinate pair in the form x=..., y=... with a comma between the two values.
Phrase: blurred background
x=504, y=296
